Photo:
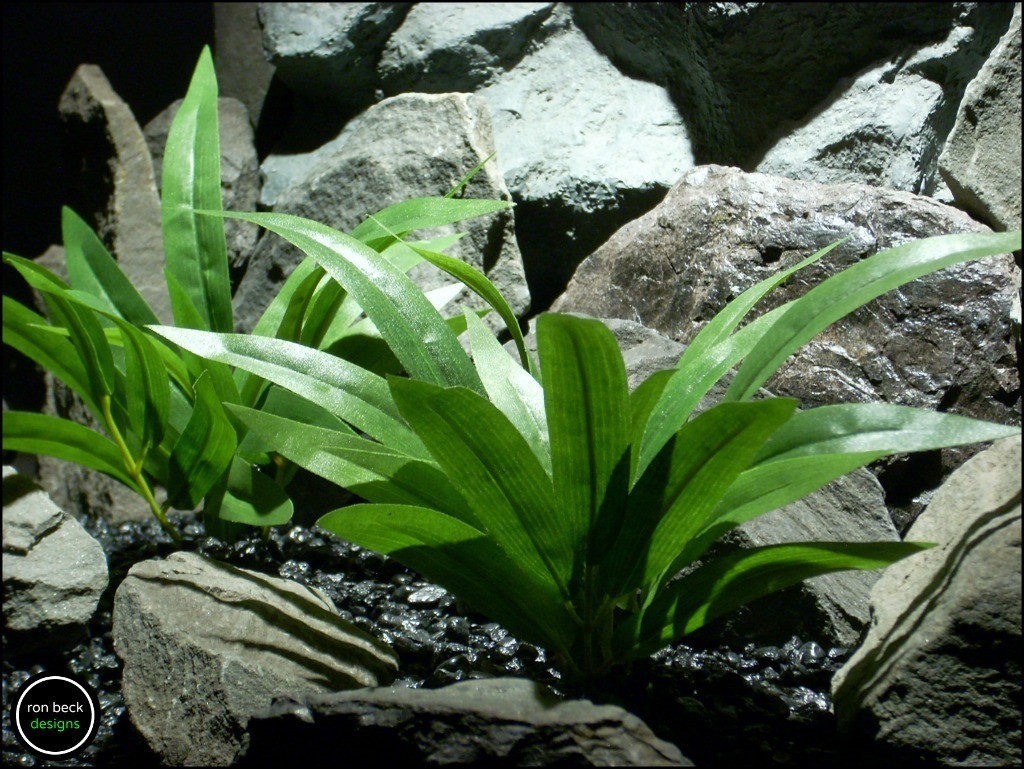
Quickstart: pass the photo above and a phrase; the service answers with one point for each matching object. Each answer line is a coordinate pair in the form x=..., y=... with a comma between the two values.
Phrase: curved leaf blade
x=195, y=248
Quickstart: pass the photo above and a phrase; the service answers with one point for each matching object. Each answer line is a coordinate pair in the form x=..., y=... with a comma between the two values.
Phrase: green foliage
x=160, y=407
x=559, y=503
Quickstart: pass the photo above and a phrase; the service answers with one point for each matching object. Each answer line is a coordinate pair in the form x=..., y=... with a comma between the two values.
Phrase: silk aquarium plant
x=159, y=409
x=547, y=495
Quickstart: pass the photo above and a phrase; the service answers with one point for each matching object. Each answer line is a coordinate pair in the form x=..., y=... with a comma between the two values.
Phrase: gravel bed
x=758, y=704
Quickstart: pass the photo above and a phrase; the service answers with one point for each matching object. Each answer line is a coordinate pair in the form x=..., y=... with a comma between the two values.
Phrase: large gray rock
x=942, y=341
x=243, y=71
x=981, y=160
x=408, y=146
x=738, y=71
x=112, y=182
x=506, y=721
x=939, y=671
x=883, y=125
x=54, y=571
x=584, y=149
x=329, y=51
x=206, y=645
x=239, y=171
x=458, y=46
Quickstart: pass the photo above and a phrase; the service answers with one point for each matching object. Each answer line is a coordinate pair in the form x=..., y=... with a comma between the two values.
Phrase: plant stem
x=134, y=468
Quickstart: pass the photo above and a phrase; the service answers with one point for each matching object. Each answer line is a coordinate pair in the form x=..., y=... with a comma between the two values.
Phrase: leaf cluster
x=547, y=495
x=160, y=408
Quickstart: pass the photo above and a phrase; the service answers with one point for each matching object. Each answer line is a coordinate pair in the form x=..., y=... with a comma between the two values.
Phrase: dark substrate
x=756, y=705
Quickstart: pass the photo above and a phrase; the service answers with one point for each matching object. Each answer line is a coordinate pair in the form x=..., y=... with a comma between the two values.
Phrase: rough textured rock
x=884, y=125
x=982, y=157
x=243, y=71
x=239, y=171
x=407, y=146
x=458, y=46
x=504, y=721
x=734, y=99
x=112, y=181
x=329, y=51
x=942, y=341
x=54, y=572
x=939, y=670
x=579, y=161
x=833, y=607
x=206, y=645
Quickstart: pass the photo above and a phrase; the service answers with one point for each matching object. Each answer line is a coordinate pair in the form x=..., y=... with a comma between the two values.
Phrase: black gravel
x=762, y=705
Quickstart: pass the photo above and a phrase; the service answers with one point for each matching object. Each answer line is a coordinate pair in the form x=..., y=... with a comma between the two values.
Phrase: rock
x=982, y=158
x=329, y=51
x=507, y=721
x=579, y=161
x=407, y=146
x=832, y=607
x=113, y=186
x=882, y=126
x=239, y=170
x=938, y=673
x=738, y=71
x=444, y=47
x=943, y=341
x=54, y=571
x=243, y=72
x=206, y=645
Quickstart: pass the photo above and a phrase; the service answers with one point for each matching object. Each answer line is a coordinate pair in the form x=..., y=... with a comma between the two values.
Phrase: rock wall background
x=662, y=157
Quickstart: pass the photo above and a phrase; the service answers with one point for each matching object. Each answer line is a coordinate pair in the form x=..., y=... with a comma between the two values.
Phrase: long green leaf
x=586, y=398
x=672, y=501
x=739, y=578
x=60, y=438
x=881, y=427
x=147, y=385
x=26, y=331
x=414, y=330
x=517, y=395
x=855, y=286
x=494, y=469
x=683, y=391
x=196, y=251
x=461, y=558
x=347, y=391
x=204, y=451
x=253, y=498
x=93, y=270
x=483, y=287
x=422, y=213
x=372, y=471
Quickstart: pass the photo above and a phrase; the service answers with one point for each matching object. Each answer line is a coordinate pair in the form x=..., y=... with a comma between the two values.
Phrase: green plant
x=161, y=408
x=560, y=504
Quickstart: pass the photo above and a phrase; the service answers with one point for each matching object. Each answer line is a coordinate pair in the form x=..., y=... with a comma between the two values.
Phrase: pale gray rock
x=444, y=47
x=408, y=146
x=584, y=149
x=941, y=341
x=113, y=183
x=882, y=126
x=243, y=71
x=981, y=161
x=939, y=670
x=54, y=571
x=206, y=646
x=239, y=171
x=737, y=71
x=511, y=721
x=329, y=51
